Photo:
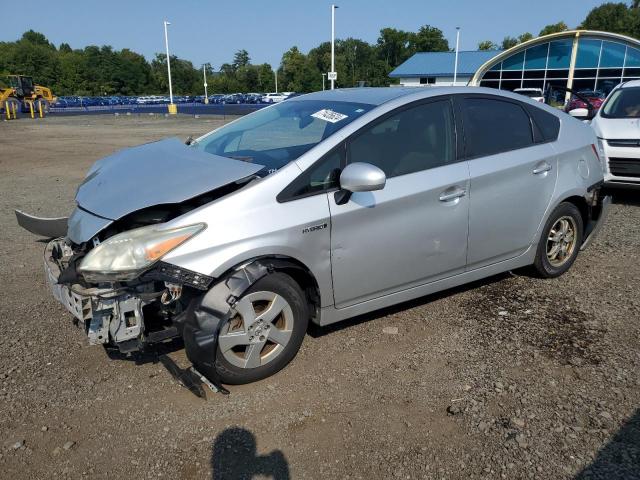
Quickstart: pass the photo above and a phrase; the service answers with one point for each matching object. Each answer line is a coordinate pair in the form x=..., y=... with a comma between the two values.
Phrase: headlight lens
x=124, y=256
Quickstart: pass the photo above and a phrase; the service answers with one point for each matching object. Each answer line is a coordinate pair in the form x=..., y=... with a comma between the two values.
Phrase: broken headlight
x=124, y=256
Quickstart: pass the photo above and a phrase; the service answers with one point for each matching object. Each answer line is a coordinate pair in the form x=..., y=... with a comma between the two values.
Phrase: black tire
x=542, y=267
x=288, y=288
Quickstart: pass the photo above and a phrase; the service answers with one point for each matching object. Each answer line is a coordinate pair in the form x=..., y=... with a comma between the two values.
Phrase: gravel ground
x=511, y=377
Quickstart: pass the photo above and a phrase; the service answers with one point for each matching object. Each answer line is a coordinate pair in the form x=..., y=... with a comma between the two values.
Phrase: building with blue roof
x=580, y=60
x=437, y=68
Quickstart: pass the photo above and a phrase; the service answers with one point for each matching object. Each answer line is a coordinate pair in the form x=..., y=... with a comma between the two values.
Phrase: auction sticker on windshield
x=329, y=115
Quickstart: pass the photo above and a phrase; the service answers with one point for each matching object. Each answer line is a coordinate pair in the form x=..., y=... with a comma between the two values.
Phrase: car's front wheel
x=560, y=241
x=265, y=333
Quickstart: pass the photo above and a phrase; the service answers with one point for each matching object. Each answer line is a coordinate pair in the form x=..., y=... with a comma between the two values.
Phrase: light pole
x=172, y=108
x=455, y=67
x=276, y=75
x=332, y=74
x=204, y=75
x=323, y=75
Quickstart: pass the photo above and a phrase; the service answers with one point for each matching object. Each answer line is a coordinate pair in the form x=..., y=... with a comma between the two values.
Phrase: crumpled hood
x=156, y=173
x=617, y=128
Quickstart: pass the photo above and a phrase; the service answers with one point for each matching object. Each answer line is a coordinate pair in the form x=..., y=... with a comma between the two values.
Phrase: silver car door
x=512, y=178
x=414, y=230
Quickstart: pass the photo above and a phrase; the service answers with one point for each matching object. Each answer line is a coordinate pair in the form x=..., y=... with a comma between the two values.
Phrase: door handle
x=452, y=193
x=542, y=168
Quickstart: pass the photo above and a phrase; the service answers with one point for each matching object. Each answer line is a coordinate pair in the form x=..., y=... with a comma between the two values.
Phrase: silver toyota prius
x=320, y=208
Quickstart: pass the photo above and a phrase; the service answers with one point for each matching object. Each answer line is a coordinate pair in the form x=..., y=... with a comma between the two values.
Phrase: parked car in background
x=253, y=98
x=534, y=94
x=240, y=239
x=233, y=98
x=273, y=97
x=216, y=98
x=617, y=125
x=595, y=98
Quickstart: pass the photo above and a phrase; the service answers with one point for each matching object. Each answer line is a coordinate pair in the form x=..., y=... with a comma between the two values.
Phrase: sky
x=210, y=31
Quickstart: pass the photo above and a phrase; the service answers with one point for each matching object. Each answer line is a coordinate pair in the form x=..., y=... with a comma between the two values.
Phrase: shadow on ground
x=316, y=331
x=620, y=458
x=235, y=457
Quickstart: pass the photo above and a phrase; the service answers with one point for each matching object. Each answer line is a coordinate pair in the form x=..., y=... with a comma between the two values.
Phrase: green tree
x=611, y=17
x=508, y=42
x=393, y=46
x=554, y=28
x=428, y=39
x=487, y=45
x=295, y=73
x=241, y=59
x=525, y=37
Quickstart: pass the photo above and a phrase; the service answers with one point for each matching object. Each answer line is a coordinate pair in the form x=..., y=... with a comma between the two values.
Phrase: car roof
x=379, y=95
x=368, y=95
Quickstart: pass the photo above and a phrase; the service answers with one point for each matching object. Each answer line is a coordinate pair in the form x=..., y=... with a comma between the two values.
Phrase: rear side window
x=548, y=124
x=494, y=126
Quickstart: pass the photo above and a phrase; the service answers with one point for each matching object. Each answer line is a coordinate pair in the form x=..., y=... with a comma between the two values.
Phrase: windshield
x=277, y=135
x=623, y=103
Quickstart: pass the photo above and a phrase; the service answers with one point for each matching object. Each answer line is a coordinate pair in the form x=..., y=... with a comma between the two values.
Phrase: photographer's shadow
x=235, y=456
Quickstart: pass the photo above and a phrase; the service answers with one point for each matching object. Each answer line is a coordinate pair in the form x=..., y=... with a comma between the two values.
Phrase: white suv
x=617, y=125
x=274, y=97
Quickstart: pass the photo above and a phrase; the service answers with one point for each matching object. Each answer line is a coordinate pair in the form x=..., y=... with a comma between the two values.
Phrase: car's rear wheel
x=265, y=333
x=560, y=241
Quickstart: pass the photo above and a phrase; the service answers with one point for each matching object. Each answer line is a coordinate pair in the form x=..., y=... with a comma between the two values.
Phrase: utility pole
x=276, y=74
x=455, y=67
x=323, y=75
x=204, y=75
x=332, y=73
x=172, y=108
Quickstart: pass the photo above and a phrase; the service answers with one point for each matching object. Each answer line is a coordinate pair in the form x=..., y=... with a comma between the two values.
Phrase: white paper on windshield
x=329, y=116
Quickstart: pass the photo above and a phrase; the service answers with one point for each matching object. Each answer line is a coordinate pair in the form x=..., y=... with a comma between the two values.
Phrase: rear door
x=414, y=231
x=513, y=173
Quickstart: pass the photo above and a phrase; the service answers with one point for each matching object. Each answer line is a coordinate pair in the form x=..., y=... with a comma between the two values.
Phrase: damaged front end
x=106, y=265
x=128, y=314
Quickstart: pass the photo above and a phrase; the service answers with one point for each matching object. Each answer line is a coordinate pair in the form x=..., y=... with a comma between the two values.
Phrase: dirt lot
x=512, y=377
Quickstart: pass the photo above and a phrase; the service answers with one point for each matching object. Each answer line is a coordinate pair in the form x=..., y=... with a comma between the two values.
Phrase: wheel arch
x=297, y=270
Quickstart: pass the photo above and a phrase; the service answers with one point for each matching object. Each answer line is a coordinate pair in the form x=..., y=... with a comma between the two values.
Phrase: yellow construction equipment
x=24, y=96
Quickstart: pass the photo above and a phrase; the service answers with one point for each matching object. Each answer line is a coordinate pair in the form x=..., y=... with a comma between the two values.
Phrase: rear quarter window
x=548, y=125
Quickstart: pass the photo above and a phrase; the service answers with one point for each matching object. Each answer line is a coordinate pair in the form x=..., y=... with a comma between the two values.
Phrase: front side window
x=277, y=135
x=623, y=103
x=322, y=176
x=494, y=126
x=414, y=139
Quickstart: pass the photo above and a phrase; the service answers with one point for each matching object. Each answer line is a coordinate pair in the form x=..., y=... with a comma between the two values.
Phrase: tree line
x=102, y=70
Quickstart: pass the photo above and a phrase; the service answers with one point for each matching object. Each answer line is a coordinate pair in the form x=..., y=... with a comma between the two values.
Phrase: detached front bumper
x=107, y=315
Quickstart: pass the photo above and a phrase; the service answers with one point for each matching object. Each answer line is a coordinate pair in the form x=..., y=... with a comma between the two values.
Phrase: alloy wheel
x=562, y=241
x=258, y=332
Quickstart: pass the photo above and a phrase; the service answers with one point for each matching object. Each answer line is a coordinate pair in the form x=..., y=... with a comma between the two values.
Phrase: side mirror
x=580, y=113
x=359, y=177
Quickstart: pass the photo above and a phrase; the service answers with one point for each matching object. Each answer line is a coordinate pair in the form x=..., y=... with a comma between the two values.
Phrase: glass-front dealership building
x=581, y=60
